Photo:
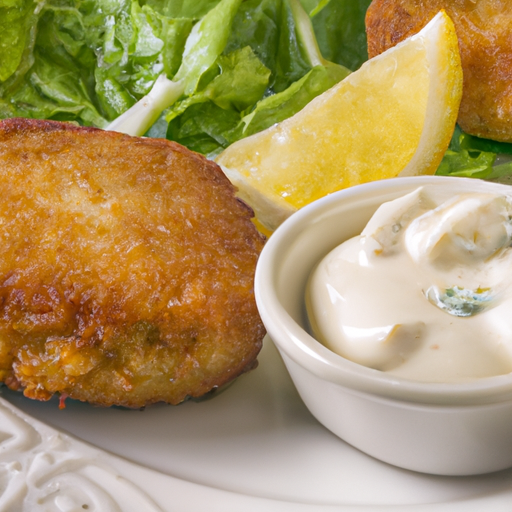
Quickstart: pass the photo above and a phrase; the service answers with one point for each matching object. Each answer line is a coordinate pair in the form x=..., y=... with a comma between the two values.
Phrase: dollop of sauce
x=424, y=292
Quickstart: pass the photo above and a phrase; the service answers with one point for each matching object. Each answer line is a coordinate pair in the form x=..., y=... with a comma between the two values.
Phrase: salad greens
x=203, y=47
x=245, y=95
x=210, y=72
x=473, y=157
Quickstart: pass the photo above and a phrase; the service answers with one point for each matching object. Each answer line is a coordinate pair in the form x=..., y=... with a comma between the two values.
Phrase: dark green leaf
x=257, y=25
x=292, y=62
x=340, y=30
x=201, y=126
x=470, y=142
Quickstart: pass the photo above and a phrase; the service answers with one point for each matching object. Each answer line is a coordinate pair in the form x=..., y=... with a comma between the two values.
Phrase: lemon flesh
x=395, y=115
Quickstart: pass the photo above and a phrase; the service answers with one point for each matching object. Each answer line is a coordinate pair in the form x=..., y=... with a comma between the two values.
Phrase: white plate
x=254, y=447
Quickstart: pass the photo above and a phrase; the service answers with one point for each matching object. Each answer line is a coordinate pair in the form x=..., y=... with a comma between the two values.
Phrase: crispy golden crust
x=484, y=30
x=126, y=268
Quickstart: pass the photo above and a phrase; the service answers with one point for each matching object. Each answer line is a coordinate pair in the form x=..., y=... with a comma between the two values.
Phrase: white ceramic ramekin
x=447, y=429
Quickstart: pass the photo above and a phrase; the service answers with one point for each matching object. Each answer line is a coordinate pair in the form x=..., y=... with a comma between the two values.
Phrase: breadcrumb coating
x=484, y=31
x=126, y=268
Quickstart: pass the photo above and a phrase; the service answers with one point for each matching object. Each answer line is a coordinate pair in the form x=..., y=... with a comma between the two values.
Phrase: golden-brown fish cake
x=126, y=268
x=484, y=30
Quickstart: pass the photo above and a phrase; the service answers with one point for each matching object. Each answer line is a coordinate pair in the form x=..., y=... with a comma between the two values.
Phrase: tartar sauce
x=424, y=292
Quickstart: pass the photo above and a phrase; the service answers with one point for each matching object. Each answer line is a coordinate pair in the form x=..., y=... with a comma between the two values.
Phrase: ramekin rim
x=292, y=339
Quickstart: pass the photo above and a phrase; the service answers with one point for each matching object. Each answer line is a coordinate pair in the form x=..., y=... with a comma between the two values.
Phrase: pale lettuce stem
x=140, y=117
x=306, y=33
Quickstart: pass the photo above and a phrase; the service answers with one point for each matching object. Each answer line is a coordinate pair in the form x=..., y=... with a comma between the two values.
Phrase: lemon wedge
x=395, y=115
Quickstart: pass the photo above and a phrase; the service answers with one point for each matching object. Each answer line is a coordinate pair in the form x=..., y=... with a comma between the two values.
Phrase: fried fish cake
x=126, y=268
x=484, y=31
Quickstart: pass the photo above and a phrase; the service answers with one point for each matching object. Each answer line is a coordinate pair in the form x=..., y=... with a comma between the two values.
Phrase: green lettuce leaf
x=174, y=34
x=65, y=89
x=128, y=49
x=235, y=67
x=202, y=127
x=58, y=83
x=241, y=82
x=203, y=47
x=241, y=98
x=340, y=30
x=472, y=157
x=467, y=164
x=470, y=142
x=205, y=43
x=292, y=61
x=256, y=24
x=194, y=9
x=18, y=19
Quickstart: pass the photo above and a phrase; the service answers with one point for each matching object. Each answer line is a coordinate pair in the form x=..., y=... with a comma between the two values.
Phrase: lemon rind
x=444, y=95
x=270, y=210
